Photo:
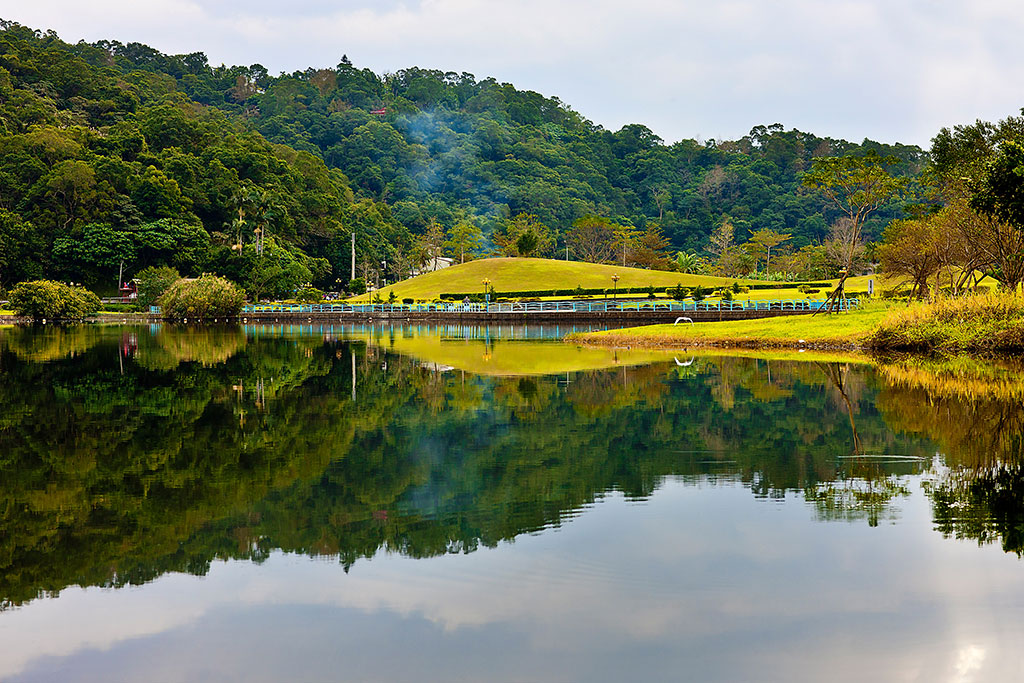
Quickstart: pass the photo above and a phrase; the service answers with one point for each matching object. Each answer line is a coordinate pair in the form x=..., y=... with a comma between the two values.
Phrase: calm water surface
x=419, y=504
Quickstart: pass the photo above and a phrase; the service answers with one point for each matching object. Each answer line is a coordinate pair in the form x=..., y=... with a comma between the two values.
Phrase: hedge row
x=579, y=291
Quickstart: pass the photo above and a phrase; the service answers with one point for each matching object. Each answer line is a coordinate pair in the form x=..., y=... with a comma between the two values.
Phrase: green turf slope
x=511, y=274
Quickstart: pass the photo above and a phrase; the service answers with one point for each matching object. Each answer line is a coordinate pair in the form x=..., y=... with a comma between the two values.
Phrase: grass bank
x=986, y=322
x=973, y=324
x=839, y=331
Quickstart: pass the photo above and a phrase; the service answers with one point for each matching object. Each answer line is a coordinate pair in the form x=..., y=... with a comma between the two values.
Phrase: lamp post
x=487, y=294
x=615, y=284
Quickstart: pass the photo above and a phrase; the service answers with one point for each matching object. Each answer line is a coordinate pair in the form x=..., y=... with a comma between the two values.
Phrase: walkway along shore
x=624, y=312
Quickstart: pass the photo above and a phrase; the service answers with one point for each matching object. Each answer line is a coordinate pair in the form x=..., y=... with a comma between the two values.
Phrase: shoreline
x=686, y=344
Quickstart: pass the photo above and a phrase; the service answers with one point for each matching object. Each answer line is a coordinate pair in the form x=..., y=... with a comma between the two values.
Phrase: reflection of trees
x=972, y=409
x=46, y=343
x=116, y=472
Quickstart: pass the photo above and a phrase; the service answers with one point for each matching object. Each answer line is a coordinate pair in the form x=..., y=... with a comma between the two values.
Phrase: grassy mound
x=988, y=322
x=509, y=274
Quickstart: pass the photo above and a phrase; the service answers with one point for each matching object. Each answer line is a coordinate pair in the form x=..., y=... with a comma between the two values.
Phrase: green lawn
x=512, y=274
x=843, y=329
x=518, y=274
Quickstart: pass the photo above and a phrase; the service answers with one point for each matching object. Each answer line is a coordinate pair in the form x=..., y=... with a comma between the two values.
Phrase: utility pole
x=353, y=257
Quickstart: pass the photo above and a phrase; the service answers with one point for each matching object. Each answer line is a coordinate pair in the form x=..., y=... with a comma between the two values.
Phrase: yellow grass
x=843, y=330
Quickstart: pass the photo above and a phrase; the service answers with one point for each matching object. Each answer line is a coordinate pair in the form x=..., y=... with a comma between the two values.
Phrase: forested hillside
x=117, y=155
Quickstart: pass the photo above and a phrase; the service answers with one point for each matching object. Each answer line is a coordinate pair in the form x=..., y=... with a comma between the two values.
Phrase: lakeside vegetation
x=992, y=322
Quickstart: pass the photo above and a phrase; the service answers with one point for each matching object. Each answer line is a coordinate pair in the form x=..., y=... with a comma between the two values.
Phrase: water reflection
x=131, y=453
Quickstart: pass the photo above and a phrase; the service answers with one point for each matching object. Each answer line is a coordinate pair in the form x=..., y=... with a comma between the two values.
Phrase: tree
x=911, y=249
x=649, y=249
x=432, y=243
x=722, y=238
x=539, y=243
x=153, y=282
x=95, y=254
x=857, y=186
x=464, y=238
x=766, y=240
x=527, y=242
x=592, y=239
x=689, y=263
x=1000, y=196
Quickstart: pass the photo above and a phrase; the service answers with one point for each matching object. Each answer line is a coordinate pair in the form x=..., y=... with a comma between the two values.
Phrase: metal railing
x=552, y=307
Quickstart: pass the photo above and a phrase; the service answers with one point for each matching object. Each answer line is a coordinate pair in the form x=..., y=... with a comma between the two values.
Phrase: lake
x=313, y=503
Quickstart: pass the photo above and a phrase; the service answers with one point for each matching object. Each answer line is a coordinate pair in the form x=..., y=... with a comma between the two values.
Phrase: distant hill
x=114, y=157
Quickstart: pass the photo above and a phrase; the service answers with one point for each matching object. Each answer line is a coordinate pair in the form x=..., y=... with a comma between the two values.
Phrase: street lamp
x=615, y=284
x=487, y=294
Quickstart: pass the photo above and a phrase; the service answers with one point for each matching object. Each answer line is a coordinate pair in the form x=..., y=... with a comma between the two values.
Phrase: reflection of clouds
x=734, y=585
x=968, y=662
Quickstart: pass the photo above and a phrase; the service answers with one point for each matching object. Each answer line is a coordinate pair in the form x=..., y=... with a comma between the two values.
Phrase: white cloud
x=886, y=70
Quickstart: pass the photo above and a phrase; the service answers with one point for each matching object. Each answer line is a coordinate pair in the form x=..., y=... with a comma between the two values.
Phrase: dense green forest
x=118, y=156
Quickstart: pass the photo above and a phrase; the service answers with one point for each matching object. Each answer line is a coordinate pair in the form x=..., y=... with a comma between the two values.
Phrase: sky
x=888, y=70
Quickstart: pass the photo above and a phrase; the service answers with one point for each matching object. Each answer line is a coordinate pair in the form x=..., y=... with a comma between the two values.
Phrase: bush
x=408, y=300
x=206, y=297
x=51, y=300
x=726, y=295
x=698, y=293
x=153, y=282
x=679, y=292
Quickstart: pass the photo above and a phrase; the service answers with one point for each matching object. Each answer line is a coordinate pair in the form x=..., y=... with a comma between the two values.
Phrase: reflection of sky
x=696, y=583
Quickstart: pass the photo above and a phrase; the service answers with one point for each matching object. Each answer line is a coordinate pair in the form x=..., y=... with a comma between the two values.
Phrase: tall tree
x=765, y=240
x=857, y=186
x=912, y=249
x=464, y=238
x=592, y=239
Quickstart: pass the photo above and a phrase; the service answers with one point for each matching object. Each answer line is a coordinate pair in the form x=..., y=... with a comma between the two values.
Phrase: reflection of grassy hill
x=511, y=274
x=508, y=358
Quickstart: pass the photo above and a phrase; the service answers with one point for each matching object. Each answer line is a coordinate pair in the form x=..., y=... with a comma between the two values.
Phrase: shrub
x=51, y=300
x=153, y=282
x=726, y=295
x=698, y=293
x=408, y=300
x=206, y=297
x=679, y=292
x=392, y=297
